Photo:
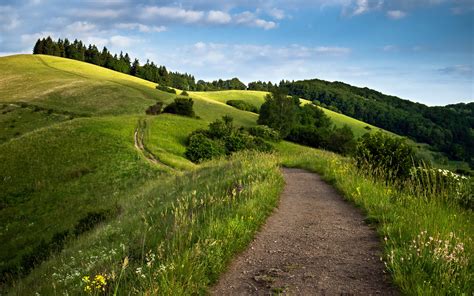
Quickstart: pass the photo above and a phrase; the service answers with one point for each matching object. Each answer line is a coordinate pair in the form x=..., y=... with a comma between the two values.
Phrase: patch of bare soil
x=315, y=243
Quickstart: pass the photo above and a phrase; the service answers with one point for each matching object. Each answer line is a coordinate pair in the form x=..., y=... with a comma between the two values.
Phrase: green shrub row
x=242, y=105
x=222, y=138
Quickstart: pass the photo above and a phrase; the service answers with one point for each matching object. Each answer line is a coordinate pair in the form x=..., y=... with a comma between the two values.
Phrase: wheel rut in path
x=139, y=142
x=315, y=243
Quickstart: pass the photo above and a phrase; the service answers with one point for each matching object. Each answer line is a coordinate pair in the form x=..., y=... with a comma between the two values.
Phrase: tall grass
x=176, y=236
x=427, y=239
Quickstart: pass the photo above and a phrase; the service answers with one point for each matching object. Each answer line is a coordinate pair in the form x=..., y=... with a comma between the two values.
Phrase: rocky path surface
x=315, y=243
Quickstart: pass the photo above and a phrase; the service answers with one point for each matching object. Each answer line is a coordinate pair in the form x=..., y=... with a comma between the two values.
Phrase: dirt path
x=138, y=138
x=315, y=243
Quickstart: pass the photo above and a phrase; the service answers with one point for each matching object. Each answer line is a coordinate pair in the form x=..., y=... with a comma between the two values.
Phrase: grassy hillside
x=77, y=194
x=257, y=98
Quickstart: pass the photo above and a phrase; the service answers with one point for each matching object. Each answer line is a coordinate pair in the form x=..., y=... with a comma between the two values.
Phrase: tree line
x=448, y=129
x=77, y=50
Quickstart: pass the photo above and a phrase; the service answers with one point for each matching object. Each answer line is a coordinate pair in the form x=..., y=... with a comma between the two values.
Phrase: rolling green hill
x=257, y=98
x=80, y=197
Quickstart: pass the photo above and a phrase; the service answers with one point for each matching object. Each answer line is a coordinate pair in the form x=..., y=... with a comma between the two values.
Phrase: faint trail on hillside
x=315, y=243
x=138, y=137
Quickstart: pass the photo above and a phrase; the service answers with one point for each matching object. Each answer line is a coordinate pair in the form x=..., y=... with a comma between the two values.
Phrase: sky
x=421, y=50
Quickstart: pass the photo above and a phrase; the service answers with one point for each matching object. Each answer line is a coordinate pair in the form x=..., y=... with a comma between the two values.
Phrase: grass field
x=176, y=224
x=257, y=98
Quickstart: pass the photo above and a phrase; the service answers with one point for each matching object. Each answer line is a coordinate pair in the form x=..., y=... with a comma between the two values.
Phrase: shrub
x=242, y=105
x=155, y=109
x=166, y=89
x=383, y=154
x=184, y=93
x=201, y=148
x=221, y=128
x=260, y=145
x=222, y=139
x=181, y=106
x=341, y=140
x=238, y=141
x=264, y=132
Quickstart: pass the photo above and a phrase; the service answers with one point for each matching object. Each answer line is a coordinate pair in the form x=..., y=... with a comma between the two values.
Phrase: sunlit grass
x=427, y=241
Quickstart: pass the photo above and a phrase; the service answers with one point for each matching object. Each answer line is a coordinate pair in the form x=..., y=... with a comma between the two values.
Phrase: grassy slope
x=81, y=165
x=257, y=98
x=91, y=161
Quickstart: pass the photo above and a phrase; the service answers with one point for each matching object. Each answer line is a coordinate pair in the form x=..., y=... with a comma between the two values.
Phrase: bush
x=155, y=109
x=309, y=135
x=201, y=148
x=184, y=93
x=181, y=106
x=260, y=145
x=264, y=132
x=242, y=105
x=166, y=89
x=220, y=129
x=222, y=139
x=341, y=140
x=238, y=141
x=383, y=154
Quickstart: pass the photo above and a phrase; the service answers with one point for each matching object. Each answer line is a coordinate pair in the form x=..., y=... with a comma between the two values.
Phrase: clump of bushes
x=264, y=132
x=385, y=155
x=307, y=125
x=181, y=106
x=242, y=105
x=155, y=109
x=184, y=93
x=166, y=89
x=222, y=138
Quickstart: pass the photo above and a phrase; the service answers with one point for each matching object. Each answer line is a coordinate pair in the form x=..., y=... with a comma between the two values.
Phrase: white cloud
x=121, y=41
x=276, y=13
x=218, y=17
x=9, y=19
x=173, y=13
x=390, y=48
x=30, y=39
x=140, y=27
x=396, y=14
x=250, y=19
x=98, y=13
x=80, y=27
x=362, y=6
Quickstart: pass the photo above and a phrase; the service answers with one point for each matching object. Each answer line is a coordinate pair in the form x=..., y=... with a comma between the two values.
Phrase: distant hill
x=448, y=129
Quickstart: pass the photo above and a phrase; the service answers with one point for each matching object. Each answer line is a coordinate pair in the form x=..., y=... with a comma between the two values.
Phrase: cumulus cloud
x=251, y=19
x=9, y=19
x=173, y=13
x=218, y=17
x=396, y=14
x=276, y=13
x=140, y=27
x=97, y=13
x=80, y=27
x=121, y=41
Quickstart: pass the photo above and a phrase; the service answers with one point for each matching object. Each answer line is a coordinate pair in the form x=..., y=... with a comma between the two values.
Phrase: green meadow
x=76, y=193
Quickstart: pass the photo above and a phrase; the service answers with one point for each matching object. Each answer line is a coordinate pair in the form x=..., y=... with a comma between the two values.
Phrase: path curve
x=315, y=243
x=138, y=138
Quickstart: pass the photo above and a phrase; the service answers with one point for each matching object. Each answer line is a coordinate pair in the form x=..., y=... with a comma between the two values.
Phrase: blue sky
x=422, y=50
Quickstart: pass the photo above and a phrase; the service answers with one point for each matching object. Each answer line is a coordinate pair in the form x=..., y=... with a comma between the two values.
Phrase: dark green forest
x=448, y=129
